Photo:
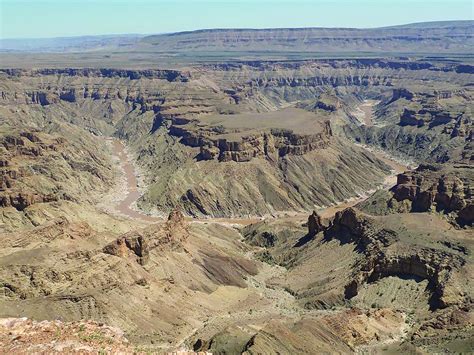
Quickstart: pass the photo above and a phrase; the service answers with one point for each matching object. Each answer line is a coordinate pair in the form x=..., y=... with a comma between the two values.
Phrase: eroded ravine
x=132, y=193
x=130, y=187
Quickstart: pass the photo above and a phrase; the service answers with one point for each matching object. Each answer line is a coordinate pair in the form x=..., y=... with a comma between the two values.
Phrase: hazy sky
x=52, y=18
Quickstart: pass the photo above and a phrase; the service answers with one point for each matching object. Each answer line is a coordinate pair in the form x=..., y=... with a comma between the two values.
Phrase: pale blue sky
x=53, y=18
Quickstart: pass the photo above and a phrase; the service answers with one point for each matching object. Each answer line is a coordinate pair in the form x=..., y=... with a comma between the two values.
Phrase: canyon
x=245, y=205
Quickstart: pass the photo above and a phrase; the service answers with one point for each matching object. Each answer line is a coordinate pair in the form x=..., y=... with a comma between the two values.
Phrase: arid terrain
x=234, y=202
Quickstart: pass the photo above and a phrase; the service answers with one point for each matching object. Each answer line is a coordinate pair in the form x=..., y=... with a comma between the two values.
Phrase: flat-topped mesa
x=266, y=144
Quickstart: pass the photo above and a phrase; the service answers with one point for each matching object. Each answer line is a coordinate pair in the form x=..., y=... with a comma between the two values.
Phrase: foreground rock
x=26, y=336
x=156, y=283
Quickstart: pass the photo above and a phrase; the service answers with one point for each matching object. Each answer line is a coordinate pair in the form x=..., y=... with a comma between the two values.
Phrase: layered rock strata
x=385, y=256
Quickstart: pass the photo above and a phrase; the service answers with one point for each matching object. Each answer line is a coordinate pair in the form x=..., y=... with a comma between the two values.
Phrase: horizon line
x=228, y=29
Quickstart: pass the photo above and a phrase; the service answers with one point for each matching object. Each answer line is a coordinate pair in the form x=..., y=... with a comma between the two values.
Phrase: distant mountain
x=431, y=37
x=435, y=24
x=68, y=44
x=428, y=38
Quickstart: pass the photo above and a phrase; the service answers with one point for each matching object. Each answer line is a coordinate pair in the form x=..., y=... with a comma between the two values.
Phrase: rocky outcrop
x=409, y=118
x=130, y=245
x=20, y=201
x=462, y=128
x=351, y=225
x=436, y=187
x=175, y=230
x=29, y=143
x=315, y=224
x=139, y=244
x=384, y=255
x=42, y=98
x=401, y=93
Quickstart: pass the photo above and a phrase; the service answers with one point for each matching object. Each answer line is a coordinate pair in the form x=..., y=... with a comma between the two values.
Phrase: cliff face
x=169, y=75
x=39, y=171
x=386, y=255
x=289, y=114
x=445, y=188
x=272, y=145
x=233, y=82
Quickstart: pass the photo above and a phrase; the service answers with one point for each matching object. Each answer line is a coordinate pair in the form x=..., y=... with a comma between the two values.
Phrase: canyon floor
x=271, y=205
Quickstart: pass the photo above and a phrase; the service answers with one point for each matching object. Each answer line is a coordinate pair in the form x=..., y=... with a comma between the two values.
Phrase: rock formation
x=440, y=188
x=136, y=245
x=175, y=229
x=385, y=255
x=315, y=224
x=41, y=168
x=231, y=139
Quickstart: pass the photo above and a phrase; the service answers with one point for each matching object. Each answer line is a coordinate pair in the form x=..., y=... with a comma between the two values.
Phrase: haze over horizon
x=54, y=18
